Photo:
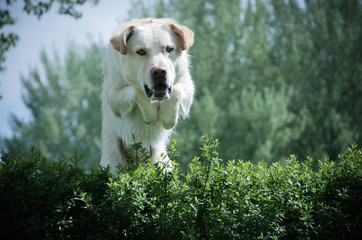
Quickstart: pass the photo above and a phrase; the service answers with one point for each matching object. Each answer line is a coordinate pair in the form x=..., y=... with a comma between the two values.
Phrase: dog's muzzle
x=160, y=90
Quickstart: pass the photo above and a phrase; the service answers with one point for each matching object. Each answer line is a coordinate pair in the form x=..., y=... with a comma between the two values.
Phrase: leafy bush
x=41, y=199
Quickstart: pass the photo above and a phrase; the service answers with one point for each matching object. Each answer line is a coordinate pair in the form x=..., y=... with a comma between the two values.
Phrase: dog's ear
x=120, y=39
x=184, y=35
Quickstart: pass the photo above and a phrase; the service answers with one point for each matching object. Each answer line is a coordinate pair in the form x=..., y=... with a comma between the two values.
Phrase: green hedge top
x=42, y=199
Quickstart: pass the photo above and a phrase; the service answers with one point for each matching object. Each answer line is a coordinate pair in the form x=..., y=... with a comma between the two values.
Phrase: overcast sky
x=53, y=32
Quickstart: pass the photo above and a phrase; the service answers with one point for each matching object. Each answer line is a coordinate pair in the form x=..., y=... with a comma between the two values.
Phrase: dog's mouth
x=159, y=92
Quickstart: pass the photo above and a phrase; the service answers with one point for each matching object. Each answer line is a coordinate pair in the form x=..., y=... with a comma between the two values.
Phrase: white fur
x=126, y=109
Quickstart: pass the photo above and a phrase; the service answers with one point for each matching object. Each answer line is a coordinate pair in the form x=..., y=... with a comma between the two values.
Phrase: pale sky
x=53, y=32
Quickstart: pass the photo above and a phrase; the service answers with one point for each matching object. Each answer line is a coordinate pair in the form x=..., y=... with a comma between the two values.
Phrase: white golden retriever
x=147, y=85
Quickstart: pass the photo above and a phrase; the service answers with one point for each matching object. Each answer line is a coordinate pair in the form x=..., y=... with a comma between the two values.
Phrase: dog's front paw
x=148, y=109
x=168, y=124
x=168, y=113
x=150, y=114
x=150, y=120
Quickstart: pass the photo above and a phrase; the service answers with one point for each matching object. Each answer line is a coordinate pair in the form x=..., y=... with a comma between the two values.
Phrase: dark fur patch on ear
x=184, y=35
x=120, y=39
x=129, y=36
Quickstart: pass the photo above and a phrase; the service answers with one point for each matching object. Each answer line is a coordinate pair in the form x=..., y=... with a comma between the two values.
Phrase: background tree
x=64, y=105
x=323, y=62
x=242, y=98
x=273, y=78
x=36, y=8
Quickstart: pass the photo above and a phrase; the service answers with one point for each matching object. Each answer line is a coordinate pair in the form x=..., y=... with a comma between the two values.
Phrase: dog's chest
x=131, y=127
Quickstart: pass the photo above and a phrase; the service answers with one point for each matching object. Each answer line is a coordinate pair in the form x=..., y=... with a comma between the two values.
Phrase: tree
x=65, y=107
x=318, y=48
x=241, y=98
x=37, y=8
x=273, y=77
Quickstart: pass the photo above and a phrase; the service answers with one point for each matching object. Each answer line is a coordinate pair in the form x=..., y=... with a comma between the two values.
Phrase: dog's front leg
x=119, y=98
x=179, y=104
x=169, y=109
x=148, y=108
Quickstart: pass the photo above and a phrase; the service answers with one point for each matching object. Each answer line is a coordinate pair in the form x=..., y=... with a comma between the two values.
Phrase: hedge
x=215, y=199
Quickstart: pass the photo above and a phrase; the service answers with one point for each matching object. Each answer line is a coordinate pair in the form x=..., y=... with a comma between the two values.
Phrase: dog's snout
x=159, y=88
x=158, y=72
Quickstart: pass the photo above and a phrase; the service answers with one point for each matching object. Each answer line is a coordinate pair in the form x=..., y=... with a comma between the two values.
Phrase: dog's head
x=152, y=49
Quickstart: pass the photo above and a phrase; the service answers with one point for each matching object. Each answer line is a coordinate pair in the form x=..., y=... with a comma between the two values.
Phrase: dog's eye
x=141, y=52
x=169, y=49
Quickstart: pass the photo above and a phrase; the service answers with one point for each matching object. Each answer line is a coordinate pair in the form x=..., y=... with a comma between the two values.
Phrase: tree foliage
x=273, y=78
x=37, y=8
x=65, y=106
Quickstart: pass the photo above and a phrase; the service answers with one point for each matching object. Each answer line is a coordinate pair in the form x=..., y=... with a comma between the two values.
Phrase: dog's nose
x=158, y=72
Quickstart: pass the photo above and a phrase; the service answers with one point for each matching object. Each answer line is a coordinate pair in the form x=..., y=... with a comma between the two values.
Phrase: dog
x=146, y=87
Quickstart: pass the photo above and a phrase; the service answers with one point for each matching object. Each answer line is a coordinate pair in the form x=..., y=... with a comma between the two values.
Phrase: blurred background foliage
x=273, y=78
x=37, y=8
